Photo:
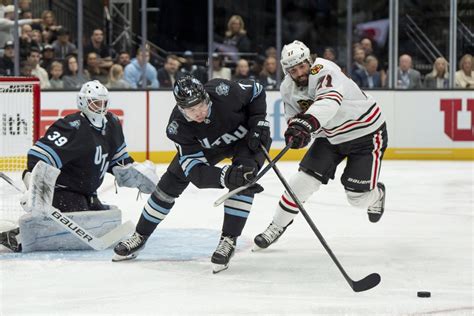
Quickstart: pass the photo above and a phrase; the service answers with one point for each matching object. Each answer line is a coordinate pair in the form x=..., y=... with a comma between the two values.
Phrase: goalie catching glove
x=299, y=130
x=234, y=177
x=137, y=175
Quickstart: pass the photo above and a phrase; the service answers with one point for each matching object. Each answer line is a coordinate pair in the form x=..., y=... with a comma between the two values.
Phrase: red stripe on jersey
x=354, y=123
x=333, y=95
x=288, y=202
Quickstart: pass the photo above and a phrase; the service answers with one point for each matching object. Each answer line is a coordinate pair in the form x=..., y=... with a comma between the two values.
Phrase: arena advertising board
x=421, y=124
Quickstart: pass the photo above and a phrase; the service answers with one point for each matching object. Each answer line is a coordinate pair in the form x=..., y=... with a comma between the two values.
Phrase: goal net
x=19, y=128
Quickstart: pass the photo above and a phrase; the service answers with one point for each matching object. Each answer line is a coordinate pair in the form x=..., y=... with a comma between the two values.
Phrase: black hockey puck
x=423, y=294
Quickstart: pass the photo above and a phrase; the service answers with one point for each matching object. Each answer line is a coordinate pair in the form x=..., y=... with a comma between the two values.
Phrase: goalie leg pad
x=303, y=185
x=39, y=233
x=41, y=190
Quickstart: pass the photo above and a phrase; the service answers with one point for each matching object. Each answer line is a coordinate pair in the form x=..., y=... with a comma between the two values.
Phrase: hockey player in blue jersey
x=210, y=122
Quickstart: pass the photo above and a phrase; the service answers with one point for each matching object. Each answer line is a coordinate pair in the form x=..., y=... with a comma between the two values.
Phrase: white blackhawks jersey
x=344, y=111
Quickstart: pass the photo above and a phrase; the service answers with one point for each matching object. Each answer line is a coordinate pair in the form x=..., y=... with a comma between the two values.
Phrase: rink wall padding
x=435, y=125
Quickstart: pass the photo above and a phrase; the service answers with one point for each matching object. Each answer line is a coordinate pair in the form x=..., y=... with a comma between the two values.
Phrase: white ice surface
x=423, y=242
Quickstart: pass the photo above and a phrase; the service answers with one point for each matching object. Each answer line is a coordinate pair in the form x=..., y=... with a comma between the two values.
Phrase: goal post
x=19, y=129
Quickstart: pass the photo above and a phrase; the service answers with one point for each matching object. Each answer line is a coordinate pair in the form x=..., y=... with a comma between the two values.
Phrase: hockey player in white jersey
x=320, y=100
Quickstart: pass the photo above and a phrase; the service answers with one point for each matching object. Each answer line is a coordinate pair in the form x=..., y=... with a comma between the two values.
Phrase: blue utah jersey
x=83, y=153
x=234, y=108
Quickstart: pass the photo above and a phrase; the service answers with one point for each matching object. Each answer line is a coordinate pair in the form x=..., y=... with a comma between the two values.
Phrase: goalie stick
x=221, y=200
x=364, y=284
x=97, y=243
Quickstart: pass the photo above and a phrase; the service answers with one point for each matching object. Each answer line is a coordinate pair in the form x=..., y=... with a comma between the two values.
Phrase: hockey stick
x=364, y=284
x=97, y=243
x=10, y=181
x=221, y=200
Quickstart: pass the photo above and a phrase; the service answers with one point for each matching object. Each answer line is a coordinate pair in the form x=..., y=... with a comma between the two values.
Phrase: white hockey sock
x=303, y=186
x=363, y=199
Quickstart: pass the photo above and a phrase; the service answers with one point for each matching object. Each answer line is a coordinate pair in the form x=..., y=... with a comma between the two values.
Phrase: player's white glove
x=137, y=175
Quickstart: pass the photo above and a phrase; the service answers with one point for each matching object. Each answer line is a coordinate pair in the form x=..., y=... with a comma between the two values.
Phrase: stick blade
x=366, y=283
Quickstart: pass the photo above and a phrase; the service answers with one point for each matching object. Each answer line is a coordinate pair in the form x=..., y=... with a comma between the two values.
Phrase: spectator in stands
x=95, y=72
x=133, y=71
x=123, y=59
x=242, y=70
x=271, y=52
x=24, y=5
x=408, y=78
x=48, y=57
x=268, y=76
x=7, y=23
x=56, y=72
x=367, y=46
x=256, y=66
x=37, y=70
x=464, y=77
x=116, y=80
x=98, y=46
x=72, y=78
x=236, y=39
x=330, y=54
x=167, y=74
x=218, y=69
x=359, y=59
x=48, y=26
x=26, y=41
x=368, y=77
x=189, y=68
x=27, y=14
x=438, y=78
x=26, y=69
x=62, y=46
x=37, y=38
x=7, y=64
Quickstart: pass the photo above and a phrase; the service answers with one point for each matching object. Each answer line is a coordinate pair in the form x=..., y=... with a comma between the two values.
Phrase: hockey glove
x=137, y=175
x=299, y=130
x=259, y=134
x=238, y=176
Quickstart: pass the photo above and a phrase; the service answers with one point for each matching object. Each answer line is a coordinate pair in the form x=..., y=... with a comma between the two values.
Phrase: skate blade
x=216, y=268
x=118, y=258
x=256, y=248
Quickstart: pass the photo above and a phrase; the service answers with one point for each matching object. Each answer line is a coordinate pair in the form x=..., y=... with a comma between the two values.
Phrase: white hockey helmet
x=294, y=53
x=93, y=100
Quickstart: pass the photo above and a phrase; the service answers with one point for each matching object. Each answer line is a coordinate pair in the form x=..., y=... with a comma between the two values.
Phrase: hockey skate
x=269, y=236
x=224, y=251
x=9, y=240
x=129, y=249
x=375, y=211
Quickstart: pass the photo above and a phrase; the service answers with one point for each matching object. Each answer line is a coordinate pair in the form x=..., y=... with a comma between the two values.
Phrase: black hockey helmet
x=188, y=91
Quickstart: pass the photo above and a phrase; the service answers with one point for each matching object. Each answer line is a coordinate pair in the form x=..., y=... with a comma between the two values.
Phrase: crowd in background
x=47, y=52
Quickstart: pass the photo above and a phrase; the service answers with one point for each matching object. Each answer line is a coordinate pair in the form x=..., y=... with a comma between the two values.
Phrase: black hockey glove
x=238, y=176
x=299, y=130
x=259, y=134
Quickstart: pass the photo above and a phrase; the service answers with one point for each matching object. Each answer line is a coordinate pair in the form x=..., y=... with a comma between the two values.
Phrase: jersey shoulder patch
x=316, y=69
x=172, y=128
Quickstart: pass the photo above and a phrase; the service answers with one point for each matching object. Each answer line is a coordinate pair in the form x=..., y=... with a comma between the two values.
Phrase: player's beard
x=301, y=81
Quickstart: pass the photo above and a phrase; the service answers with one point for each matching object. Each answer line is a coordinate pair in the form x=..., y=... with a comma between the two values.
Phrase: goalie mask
x=93, y=100
x=293, y=54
